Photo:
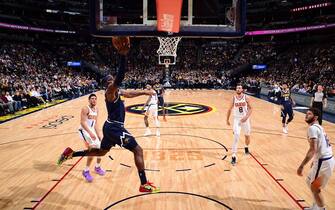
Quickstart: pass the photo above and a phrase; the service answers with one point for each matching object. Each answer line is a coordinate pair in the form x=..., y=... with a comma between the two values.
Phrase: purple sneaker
x=99, y=171
x=87, y=176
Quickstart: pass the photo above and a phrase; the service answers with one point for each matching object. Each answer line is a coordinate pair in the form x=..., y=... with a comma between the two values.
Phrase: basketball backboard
x=199, y=18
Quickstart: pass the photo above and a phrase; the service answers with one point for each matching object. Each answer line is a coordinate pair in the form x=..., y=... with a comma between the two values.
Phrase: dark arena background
x=201, y=71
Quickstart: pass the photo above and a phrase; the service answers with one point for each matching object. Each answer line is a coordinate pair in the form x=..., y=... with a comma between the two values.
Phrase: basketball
x=121, y=44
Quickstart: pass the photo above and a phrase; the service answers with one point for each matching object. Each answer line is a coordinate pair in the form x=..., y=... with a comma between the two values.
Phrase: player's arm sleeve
x=313, y=132
x=121, y=72
x=134, y=93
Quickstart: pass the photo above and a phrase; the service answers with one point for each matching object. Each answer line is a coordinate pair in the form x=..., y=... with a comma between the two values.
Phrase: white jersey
x=91, y=118
x=153, y=100
x=240, y=107
x=323, y=148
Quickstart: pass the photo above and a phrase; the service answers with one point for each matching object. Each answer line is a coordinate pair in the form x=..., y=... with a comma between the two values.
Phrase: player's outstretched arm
x=122, y=45
x=135, y=93
x=113, y=87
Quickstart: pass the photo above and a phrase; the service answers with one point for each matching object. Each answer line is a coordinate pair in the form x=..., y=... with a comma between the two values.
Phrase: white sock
x=157, y=122
x=235, y=143
x=87, y=168
x=97, y=165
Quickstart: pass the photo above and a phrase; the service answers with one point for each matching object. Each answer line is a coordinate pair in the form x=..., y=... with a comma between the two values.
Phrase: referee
x=319, y=101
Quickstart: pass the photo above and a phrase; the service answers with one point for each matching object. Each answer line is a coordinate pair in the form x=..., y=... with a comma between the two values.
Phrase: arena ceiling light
x=71, y=13
x=52, y=11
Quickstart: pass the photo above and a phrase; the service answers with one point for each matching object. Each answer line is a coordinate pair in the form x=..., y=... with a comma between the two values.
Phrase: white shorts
x=246, y=128
x=321, y=168
x=151, y=110
x=89, y=142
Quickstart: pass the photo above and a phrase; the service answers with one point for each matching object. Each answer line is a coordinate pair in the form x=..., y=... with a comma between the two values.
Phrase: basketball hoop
x=167, y=48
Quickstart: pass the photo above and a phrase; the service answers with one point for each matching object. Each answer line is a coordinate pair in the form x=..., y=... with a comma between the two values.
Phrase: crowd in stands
x=303, y=68
x=33, y=74
x=30, y=76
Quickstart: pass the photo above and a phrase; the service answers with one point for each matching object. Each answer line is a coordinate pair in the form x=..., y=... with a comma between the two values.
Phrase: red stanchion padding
x=168, y=15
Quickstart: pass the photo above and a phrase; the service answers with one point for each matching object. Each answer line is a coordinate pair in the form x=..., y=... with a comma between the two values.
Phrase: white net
x=168, y=46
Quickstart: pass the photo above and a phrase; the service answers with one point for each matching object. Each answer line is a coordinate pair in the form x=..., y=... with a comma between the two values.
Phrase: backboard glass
x=199, y=18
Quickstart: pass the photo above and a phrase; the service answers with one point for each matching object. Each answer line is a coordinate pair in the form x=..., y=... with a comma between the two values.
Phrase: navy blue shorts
x=288, y=110
x=116, y=134
x=160, y=101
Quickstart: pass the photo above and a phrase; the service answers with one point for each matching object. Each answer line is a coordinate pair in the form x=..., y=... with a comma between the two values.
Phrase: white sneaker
x=147, y=132
x=158, y=134
x=285, y=130
x=314, y=207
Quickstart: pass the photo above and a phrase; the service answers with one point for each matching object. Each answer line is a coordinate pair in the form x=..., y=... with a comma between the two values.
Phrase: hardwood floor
x=190, y=161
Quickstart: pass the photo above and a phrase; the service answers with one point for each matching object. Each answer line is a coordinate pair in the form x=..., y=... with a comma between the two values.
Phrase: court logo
x=173, y=109
x=57, y=122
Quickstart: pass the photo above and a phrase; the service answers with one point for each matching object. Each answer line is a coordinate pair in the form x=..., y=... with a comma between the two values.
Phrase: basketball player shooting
x=242, y=111
x=113, y=129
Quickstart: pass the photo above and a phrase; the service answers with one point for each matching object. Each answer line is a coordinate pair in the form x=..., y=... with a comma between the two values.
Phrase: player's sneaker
x=67, y=154
x=149, y=187
x=158, y=133
x=285, y=130
x=99, y=171
x=246, y=150
x=87, y=176
x=314, y=207
x=147, y=132
x=233, y=160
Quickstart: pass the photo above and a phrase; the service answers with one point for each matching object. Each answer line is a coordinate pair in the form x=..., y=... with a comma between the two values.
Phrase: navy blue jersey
x=286, y=97
x=116, y=110
x=159, y=89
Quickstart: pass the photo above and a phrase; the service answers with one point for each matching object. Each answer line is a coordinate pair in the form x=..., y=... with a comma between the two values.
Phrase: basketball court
x=190, y=161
